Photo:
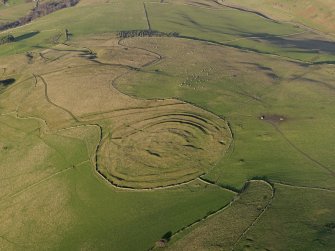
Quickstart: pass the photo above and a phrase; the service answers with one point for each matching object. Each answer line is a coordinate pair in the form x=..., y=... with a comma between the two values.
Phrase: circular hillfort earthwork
x=162, y=146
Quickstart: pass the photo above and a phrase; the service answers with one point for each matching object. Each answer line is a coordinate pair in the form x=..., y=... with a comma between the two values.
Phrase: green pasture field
x=257, y=94
x=236, y=217
x=59, y=203
x=237, y=29
x=82, y=20
x=277, y=231
x=122, y=144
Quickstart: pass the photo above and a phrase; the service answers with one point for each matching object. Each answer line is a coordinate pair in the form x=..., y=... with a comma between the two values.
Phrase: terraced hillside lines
x=163, y=146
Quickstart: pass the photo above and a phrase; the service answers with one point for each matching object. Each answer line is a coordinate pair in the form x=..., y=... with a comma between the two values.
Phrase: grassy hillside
x=53, y=200
x=14, y=9
x=318, y=14
x=223, y=80
x=110, y=143
x=236, y=217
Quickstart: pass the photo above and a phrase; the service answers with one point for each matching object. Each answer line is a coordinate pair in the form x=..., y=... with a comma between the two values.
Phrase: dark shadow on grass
x=7, y=82
x=167, y=236
x=26, y=36
x=306, y=44
x=291, y=44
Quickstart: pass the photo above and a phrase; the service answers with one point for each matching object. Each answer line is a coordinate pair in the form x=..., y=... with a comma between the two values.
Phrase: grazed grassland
x=223, y=80
x=114, y=144
x=60, y=138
